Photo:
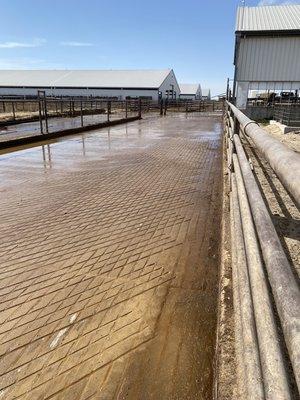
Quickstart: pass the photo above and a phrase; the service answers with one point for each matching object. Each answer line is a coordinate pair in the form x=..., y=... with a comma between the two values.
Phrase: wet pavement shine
x=109, y=263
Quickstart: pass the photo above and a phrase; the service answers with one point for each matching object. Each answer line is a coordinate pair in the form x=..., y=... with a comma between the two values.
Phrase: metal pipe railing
x=282, y=280
x=249, y=382
x=284, y=161
x=285, y=289
x=273, y=371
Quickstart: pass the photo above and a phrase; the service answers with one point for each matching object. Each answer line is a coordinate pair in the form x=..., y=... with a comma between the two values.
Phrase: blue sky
x=194, y=37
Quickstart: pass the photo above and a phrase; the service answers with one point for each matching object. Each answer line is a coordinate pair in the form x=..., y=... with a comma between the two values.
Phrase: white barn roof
x=268, y=18
x=205, y=92
x=84, y=78
x=189, y=88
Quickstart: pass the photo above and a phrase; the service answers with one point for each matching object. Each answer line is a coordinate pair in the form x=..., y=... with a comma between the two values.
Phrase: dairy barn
x=190, y=91
x=118, y=84
x=267, y=51
x=206, y=94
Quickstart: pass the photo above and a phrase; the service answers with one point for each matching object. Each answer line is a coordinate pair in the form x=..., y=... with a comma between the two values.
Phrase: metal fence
x=165, y=106
x=23, y=110
x=48, y=115
x=26, y=119
x=262, y=276
x=288, y=114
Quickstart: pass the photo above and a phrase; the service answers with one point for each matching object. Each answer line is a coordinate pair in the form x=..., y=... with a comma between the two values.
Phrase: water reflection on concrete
x=69, y=152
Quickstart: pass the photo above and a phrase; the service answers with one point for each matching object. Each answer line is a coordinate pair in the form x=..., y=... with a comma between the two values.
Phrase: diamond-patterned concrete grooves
x=109, y=263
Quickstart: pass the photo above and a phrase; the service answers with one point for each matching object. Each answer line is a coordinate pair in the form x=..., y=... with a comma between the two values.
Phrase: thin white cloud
x=28, y=63
x=277, y=2
x=76, y=44
x=14, y=45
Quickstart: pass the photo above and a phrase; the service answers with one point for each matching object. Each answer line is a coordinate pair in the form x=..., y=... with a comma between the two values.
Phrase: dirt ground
x=286, y=219
x=285, y=214
x=289, y=139
x=109, y=263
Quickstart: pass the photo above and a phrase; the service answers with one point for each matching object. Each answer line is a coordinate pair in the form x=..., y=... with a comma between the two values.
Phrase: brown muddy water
x=109, y=263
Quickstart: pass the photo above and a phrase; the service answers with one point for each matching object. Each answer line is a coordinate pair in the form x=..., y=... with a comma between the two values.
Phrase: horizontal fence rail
x=48, y=115
x=284, y=161
x=64, y=115
x=259, y=263
x=21, y=110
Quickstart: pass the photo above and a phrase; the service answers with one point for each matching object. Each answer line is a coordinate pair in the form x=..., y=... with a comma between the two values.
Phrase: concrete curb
x=66, y=132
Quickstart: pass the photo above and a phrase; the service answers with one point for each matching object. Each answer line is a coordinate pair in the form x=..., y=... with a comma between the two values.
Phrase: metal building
x=190, y=91
x=206, y=94
x=267, y=50
x=120, y=84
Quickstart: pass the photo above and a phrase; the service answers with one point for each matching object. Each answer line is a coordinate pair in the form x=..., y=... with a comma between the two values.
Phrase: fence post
x=45, y=112
x=140, y=108
x=126, y=109
x=165, y=106
x=81, y=114
x=108, y=110
x=236, y=127
x=13, y=110
x=161, y=107
x=40, y=114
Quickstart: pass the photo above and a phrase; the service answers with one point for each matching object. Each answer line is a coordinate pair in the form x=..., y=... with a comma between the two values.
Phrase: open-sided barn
x=267, y=50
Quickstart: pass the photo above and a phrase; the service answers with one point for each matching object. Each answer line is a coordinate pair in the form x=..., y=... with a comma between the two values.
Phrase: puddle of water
x=69, y=152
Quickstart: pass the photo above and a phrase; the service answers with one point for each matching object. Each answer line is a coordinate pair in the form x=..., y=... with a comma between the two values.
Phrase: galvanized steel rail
x=284, y=161
x=259, y=261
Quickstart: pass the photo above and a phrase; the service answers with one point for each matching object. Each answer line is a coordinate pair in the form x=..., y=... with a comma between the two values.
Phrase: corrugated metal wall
x=120, y=94
x=269, y=59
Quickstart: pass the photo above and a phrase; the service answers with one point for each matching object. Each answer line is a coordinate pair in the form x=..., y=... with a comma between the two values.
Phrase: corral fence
x=265, y=290
x=24, y=118
x=165, y=106
x=285, y=113
x=18, y=110
x=288, y=114
x=77, y=112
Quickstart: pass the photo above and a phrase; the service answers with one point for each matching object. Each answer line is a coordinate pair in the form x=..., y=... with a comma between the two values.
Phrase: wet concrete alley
x=109, y=263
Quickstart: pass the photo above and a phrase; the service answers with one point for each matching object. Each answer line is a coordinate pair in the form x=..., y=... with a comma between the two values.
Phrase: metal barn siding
x=190, y=91
x=103, y=83
x=267, y=50
x=170, y=82
x=268, y=18
x=264, y=59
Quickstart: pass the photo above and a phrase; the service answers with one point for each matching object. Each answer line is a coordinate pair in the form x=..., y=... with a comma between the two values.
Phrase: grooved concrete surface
x=109, y=263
